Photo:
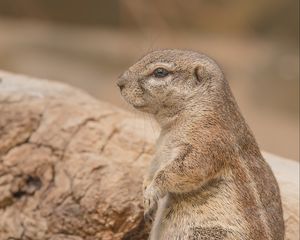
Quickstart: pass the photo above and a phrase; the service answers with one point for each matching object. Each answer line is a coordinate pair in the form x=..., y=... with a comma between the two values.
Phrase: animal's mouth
x=130, y=102
x=135, y=101
x=138, y=106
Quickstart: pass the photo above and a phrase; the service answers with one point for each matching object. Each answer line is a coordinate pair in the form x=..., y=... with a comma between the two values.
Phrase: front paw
x=151, y=196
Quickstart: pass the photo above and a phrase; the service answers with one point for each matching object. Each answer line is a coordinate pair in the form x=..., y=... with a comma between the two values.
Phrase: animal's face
x=165, y=78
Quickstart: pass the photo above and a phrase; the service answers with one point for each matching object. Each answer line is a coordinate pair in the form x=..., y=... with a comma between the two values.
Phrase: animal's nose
x=121, y=82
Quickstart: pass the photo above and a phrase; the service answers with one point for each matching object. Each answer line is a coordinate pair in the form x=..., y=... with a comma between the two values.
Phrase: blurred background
x=89, y=43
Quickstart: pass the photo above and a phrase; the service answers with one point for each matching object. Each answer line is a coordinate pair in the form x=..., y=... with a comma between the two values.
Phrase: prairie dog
x=207, y=166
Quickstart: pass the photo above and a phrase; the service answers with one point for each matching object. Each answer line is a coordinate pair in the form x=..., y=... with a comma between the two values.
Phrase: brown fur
x=207, y=167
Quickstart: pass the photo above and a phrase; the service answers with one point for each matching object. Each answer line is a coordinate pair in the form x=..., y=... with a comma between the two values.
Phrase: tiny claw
x=148, y=217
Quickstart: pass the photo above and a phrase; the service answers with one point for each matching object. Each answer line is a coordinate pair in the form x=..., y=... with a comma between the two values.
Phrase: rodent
x=208, y=177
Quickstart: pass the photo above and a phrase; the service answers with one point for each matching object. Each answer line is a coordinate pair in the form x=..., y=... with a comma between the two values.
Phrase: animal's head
x=168, y=78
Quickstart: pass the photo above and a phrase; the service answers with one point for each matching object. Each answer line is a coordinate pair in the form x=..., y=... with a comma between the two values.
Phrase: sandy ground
x=264, y=75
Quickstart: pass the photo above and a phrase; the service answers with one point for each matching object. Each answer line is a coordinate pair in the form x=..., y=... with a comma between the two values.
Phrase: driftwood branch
x=71, y=167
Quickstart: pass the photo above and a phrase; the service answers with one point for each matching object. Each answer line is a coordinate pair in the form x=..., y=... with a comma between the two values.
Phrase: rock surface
x=71, y=167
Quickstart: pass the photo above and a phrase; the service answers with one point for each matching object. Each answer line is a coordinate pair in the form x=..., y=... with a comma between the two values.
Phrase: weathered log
x=71, y=167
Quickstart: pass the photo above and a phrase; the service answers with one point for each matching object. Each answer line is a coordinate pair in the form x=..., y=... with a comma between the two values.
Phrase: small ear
x=201, y=74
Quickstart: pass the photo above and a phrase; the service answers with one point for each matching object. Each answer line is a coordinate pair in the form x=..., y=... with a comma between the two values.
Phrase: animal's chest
x=166, y=149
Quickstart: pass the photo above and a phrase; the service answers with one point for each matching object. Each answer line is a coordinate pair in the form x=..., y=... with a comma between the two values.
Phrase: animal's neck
x=167, y=120
x=174, y=116
x=201, y=108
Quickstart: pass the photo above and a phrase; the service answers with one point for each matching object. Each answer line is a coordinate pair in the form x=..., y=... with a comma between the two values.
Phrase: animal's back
x=259, y=195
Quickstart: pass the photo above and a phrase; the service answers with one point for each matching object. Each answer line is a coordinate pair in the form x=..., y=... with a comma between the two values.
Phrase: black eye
x=160, y=73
